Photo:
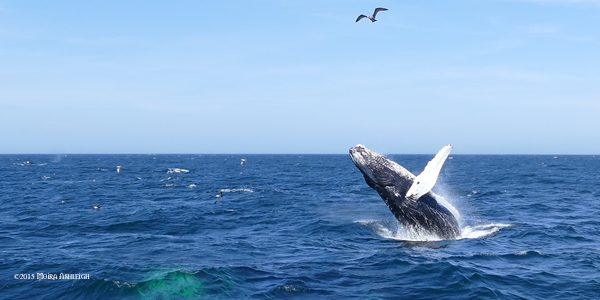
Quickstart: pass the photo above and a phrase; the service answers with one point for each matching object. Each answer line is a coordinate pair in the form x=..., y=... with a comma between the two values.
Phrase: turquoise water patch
x=182, y=284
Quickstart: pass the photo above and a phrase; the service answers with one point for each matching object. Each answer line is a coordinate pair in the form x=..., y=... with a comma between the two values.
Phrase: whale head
x=380, y=172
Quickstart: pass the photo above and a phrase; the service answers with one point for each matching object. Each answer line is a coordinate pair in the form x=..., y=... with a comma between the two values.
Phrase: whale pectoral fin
x=428, y=178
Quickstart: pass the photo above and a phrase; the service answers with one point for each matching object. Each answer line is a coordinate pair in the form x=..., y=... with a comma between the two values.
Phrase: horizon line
x=165, y=153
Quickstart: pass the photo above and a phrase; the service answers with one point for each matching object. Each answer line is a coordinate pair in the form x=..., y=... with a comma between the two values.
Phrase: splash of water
x=243, y=190
x=395, y=232
x=481, y=231
x=177, y=170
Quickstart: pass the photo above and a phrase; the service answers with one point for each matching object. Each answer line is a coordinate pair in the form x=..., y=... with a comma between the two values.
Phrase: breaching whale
x=409, y=197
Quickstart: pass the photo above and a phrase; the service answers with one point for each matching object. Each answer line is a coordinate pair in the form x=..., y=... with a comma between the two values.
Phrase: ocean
x=292, y=227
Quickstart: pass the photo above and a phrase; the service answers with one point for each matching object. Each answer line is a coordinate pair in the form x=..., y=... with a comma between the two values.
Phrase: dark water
x=292, y=227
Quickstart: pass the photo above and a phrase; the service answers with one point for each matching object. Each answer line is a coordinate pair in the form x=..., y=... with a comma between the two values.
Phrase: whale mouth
x=358, y=154
x=376, y=167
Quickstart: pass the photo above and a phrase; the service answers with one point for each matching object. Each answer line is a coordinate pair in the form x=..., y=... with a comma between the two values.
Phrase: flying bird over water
x=372, y=18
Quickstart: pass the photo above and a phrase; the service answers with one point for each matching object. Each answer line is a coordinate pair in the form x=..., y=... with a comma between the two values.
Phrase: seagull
x=372, y=18
x=119, y=169
x=97, y=207
x=242, y=162
x=219, y=195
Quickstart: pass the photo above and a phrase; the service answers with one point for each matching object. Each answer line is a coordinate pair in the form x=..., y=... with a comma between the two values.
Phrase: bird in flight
x=372, y=18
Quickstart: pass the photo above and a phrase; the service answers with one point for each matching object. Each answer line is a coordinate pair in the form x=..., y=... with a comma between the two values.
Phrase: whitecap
x=527, y=252
x=237, y=190
x=480, y=231
x=177, y=170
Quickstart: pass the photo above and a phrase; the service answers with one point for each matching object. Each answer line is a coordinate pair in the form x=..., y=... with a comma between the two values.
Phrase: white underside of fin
x=428, y=178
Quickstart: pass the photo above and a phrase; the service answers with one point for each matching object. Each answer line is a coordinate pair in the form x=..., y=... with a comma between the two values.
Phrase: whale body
x=423, y=212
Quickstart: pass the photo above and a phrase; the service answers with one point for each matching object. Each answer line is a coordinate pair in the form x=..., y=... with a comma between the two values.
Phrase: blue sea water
x=292, y=227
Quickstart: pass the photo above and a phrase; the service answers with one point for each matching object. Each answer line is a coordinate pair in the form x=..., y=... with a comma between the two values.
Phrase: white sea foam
x=527, y=252
x=481, y=231
x=392, y=230
x=472, y=193
x=177, y=170
x=237, y=190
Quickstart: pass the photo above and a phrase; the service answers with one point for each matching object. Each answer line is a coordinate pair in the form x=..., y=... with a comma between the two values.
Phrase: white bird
x=427, y=179
x=372, y=18
x=119, y=169
x=242, y=161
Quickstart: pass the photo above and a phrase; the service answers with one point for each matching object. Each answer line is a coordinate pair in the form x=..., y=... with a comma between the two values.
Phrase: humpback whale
x=409, y=197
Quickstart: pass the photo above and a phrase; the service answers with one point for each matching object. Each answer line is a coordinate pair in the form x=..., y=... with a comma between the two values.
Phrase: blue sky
x=266, y=76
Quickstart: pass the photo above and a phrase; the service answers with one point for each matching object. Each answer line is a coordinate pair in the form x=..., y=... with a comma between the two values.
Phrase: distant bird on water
x=219, y=195
x=372, y=18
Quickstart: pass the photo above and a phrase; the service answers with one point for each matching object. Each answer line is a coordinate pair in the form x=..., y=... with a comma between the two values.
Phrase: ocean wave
x=186, y=284
x=178, y=284
x=242, y=190
x=528, y=253
x=295, y=290
x=481, y=231
x=177, y=170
